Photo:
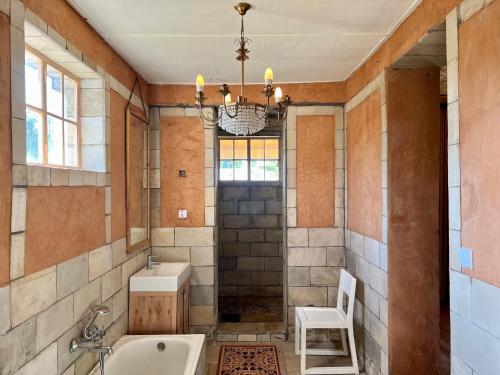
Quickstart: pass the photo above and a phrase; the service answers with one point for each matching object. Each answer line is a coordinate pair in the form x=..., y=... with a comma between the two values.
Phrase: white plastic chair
x=328, y=318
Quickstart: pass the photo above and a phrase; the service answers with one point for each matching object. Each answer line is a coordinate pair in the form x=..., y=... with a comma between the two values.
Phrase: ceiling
x=170, y=41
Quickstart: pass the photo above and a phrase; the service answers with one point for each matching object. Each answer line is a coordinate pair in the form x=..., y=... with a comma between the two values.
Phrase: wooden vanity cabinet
x=159, y=312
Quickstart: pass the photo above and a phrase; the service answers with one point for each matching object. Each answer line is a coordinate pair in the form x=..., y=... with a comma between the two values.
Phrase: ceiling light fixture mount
x=243, y=117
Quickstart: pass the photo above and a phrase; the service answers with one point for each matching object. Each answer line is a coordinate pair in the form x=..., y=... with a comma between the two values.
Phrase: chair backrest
x=347, y=286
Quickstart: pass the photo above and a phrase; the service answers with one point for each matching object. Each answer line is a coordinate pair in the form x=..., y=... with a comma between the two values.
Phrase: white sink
x=164, y=277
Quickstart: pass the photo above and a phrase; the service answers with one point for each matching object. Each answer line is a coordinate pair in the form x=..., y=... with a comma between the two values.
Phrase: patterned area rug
x=248, y=360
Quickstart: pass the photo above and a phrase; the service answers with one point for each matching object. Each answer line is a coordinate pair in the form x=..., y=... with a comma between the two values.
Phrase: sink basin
x=164, y=277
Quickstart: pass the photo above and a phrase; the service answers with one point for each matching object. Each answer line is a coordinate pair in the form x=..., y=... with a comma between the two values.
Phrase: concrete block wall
x=313, y=256
x=196, y=245
x=474, y=304
x=41, y=312
x=250, y=244
x=366, y=259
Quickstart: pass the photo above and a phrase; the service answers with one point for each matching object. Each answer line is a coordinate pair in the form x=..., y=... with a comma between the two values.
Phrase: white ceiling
x=170, y=41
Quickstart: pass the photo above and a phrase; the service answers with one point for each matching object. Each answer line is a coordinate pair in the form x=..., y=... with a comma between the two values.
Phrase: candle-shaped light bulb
x=268, y=76
x=227, y=99
x=200, y=83
x=278, y=95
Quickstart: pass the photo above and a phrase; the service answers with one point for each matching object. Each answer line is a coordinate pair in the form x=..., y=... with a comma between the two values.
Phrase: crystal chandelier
x=244, y=117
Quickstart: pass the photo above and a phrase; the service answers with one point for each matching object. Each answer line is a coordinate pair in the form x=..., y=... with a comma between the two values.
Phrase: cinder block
x=237, y=221
x=264, y=193
x=307, y=256
x=250, y=263
x=265, y=221
x=235, y=193
x=251, y=207
x=326, y=237
x=301, y=296
x=299, y=276
x=251, y=235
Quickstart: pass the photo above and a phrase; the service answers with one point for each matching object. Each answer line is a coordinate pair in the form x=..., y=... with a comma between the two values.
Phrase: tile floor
x=289, y=362
x=251, y=309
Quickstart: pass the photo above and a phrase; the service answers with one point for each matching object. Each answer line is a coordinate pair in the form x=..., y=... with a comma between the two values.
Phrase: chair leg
x=344, y=341
x=303, y=335
x=297, y=334
x=352, y=347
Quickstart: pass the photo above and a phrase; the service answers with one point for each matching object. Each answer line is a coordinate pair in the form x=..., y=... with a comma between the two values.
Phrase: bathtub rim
x=198, y=339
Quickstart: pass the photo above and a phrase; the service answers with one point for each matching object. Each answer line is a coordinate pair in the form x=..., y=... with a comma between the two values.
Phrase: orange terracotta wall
x=479, y=79
x=182, y=147
x=59, y=15
x=413, y=132
x=328, y=92
x=5, y=149
x=118, y=199
x=427, y=15
x=62, y=223
x=364, y=168
x=315, y=171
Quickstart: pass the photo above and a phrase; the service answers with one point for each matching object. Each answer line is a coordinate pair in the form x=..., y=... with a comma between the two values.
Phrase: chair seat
x=322, y=317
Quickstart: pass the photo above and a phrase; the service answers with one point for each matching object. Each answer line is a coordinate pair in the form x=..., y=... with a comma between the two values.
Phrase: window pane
x=240, y=170
x=70, y=99
x=257, y=170
x=240, y=149
x=54, y=91
x=272, y=172
x=33, y=74
x=34, y=137
x=226, y=149
x=226, y=170
x=257, y=148
x=70, y=145
x=272, y=149
x=54, y=140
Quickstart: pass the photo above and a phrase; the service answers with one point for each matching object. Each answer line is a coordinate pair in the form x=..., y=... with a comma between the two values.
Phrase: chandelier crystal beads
x=243, y=117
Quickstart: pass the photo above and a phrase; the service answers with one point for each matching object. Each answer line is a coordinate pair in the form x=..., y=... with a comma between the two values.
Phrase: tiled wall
x=196, y=245
x=313, y=256
x=366, y=259
x=41, y=312
x=250, y=240
x=475, y=332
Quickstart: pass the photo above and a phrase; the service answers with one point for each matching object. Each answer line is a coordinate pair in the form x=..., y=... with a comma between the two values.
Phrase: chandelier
x=243, y=117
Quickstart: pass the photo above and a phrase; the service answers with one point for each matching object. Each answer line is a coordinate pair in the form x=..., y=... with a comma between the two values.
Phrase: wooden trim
x=45, y=113
x=142, y=245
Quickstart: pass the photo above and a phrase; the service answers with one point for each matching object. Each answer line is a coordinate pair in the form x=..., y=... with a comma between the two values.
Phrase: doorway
x=418, y=209
x=250, y=235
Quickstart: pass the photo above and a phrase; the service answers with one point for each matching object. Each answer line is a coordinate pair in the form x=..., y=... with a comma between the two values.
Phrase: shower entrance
x=250, y=236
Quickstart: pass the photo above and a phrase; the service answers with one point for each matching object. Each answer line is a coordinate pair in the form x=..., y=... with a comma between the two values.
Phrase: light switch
x=183, y=214
x=465, y=257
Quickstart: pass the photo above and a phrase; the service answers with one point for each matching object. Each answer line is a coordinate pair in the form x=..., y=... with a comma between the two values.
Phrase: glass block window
x=52, y=132
x=249, y=159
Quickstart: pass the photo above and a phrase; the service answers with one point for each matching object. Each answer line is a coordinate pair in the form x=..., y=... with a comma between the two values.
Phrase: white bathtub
x=139, y=355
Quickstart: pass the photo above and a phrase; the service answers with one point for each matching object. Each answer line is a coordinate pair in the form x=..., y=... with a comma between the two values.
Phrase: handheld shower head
x=99, y=310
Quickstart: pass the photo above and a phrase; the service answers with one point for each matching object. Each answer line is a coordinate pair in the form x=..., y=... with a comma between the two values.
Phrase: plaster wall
x=315, y=171
x=413, y=136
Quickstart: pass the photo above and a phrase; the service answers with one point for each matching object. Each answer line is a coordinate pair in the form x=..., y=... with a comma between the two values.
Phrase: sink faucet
x=91, y=338
x=151, y=263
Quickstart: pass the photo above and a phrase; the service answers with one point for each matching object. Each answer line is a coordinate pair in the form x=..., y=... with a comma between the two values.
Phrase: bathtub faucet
x=91, y=338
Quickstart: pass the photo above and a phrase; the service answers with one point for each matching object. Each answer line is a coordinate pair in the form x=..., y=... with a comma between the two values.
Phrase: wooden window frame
x=45, y=113
x=249, y=158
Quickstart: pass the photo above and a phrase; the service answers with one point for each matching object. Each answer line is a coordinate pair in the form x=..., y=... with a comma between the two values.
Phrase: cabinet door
x=180, y=311
x=152, y=314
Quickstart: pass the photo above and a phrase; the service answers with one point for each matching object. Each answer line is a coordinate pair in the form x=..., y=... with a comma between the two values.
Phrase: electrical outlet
x=183, y=214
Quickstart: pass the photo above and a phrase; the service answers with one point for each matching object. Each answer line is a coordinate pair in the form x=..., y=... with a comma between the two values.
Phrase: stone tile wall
x=366, y=259
x=189, y=244
x=313, y=256
x=40, y=313
x=250, y=244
